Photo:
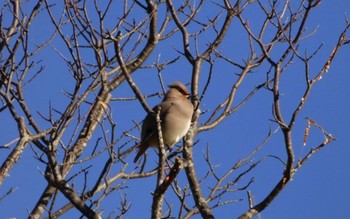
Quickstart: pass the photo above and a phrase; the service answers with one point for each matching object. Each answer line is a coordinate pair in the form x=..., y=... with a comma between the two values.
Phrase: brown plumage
x=175, y=115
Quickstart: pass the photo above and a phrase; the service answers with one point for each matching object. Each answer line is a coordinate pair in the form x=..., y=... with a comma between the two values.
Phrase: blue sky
x=319, y=189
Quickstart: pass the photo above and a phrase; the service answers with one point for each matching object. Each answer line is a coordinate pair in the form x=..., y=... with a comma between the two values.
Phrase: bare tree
x=85, y=155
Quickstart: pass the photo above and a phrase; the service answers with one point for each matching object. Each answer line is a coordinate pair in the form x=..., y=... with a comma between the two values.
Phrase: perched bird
x=175, y=116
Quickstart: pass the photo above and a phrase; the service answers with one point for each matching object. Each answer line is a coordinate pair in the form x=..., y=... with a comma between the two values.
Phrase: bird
x=175, y=115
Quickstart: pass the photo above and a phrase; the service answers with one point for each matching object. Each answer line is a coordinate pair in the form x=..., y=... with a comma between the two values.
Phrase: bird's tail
x=142, y=148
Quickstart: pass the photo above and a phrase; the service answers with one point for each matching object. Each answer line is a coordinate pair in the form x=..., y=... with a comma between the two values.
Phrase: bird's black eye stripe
x=182, y=91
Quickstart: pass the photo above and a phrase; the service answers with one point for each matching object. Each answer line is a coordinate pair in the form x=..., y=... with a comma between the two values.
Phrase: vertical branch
x=198, y=197
x=276, y=97
x=162, y=156
x=158, y=195
x=285, y=128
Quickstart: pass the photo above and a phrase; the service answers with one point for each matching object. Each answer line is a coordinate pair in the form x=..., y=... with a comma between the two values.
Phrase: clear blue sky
x=319, y=190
